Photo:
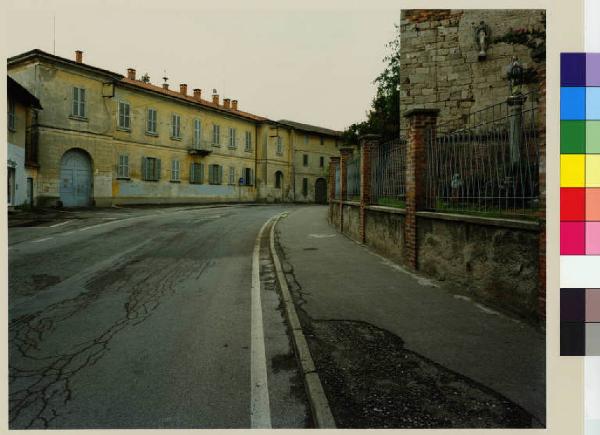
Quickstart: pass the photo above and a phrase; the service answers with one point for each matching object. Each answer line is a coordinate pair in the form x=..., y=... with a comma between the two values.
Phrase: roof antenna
x=165, y=78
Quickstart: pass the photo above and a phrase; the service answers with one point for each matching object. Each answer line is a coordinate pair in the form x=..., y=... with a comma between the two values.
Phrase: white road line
x=59, y=224
x=41, y=240
x=260, y=411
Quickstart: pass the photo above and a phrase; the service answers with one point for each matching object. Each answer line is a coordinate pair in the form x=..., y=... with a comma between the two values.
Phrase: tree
x=383, y=118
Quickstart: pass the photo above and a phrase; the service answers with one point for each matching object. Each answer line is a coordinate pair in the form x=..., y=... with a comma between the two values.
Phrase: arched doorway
x=321, y=191
x=76, y=179
x=278, y=180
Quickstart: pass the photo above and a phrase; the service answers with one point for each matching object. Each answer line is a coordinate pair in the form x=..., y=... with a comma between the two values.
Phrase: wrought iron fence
x=353, y=178
x=489, y=166
x=388, y=173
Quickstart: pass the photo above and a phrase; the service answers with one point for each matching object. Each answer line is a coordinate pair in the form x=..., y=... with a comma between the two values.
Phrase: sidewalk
x=336, y=280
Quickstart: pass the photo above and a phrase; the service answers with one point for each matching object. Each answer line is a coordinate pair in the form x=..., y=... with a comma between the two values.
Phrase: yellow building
x=21, y=110
x=112, y=139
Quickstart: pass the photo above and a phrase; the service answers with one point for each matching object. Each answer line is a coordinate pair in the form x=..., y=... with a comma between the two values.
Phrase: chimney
x=216, y=99
x=226, y=103
x=198, y=94
x=78, y=56
x=130, y=73
x=183, y=89
x=165, y=86
x=234, y=104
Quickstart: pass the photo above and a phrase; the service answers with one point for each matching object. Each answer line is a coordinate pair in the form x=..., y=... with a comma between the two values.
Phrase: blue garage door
x=75, y=179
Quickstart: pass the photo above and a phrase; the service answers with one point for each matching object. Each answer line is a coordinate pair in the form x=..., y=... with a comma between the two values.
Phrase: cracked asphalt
x=140, y=318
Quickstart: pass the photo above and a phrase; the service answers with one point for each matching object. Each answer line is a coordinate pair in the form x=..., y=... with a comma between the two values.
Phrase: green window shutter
x=201, y=175
x=82, y=102
x=143, y=173
x=157, y=170
x=192, y=173
x=75, y=101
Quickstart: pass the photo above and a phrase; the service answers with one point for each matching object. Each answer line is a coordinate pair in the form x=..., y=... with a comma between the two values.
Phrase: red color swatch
x=572, y=204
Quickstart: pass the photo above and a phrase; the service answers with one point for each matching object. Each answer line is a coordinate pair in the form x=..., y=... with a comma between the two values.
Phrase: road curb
x=323, y=418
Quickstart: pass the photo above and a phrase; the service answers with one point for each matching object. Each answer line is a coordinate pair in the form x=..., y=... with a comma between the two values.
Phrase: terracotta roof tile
x=191, y=99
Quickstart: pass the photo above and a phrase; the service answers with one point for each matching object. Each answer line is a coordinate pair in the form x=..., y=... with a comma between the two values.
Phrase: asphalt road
x=145, y=318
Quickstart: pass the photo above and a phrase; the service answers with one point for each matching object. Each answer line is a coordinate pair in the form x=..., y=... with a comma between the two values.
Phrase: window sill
x=248, y=151
x=12, y=129
x=215, y=184
x=126, y=130
x=216, y=145
x=196, y=182
x=175, y=181
x=175, y=138
x=79, y=118
x=124, y=178
x=232, y=148
x=149, y=133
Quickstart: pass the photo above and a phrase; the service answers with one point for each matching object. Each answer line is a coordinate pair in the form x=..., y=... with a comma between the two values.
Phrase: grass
x=491, y=212
x=391, y=202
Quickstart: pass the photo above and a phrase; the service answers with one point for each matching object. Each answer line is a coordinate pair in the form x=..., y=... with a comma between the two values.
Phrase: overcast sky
x=308, y=65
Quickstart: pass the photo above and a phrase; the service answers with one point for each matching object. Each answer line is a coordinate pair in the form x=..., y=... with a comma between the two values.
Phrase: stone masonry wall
x=497, y=265
x=439, y=59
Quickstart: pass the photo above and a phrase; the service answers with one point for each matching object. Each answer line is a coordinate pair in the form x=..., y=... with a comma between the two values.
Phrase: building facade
x=21, y=109
x=113, y=139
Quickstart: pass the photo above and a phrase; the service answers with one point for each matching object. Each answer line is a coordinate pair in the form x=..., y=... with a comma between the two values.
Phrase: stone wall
x=384, y=232
x=492, y=261
x=495, y=261
x=351, y=222
x=440, y=67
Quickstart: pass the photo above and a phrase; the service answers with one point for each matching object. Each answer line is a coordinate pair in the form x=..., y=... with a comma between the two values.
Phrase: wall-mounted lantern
x=515, y=75
x=482, y=39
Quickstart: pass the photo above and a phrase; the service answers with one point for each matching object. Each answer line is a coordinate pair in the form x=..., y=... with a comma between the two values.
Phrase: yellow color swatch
x=572, y=170
x=592, y=170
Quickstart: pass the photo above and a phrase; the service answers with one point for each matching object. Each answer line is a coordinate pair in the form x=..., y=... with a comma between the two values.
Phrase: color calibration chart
x=580, y=200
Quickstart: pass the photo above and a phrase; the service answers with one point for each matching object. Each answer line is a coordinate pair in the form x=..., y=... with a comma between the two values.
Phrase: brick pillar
x=334, y=163
x=368, y=145
x=345, y=154
x=542, y=206
x=420, y=121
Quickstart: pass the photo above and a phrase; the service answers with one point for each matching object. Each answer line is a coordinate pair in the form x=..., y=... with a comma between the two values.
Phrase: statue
x=482, y=38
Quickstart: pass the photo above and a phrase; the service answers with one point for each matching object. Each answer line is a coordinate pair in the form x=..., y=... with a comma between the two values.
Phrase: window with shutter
x=151, y=121
x=124, y=117
x=175, y=170
x=123, y=166
x=197, y=132
x=78, y=108
x=231, y=175
x=175, y=126
x=248, y=141
x=196, y=173
x=216, y=139
x=279, y=145
x=232, y=138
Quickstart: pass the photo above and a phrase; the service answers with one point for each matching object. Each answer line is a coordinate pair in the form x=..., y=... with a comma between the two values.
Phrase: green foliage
x=384, y=116
x=391, y=202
